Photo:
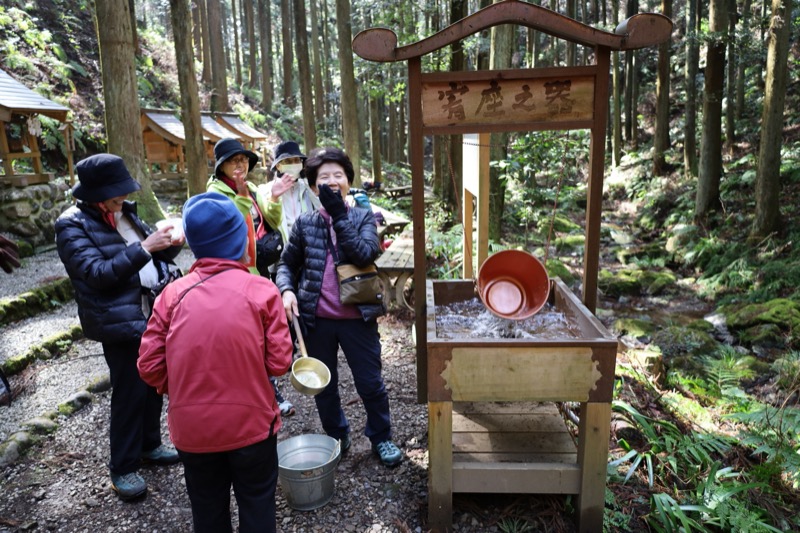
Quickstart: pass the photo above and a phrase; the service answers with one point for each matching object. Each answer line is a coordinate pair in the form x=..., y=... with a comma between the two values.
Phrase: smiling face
x=334, y=176
x=236, y=166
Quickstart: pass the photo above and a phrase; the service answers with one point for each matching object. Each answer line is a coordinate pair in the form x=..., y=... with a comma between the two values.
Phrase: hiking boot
x=389, y=454
x=163, y=455
x=287, y=409
x=344, y=443
x=128, y=486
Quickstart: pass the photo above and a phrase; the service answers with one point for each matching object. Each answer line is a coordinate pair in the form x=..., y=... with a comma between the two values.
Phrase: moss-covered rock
x=51, y=347
x=783, y=312
x=683, y=347
x=560, y=224
x=75, y=403
x=771, y=323
x=650, y=253
x=622, y=283
x=557, y=269
x=635, y=327
x=43, y=298
x=634, y=282
x=765, y=335
x=569, y=242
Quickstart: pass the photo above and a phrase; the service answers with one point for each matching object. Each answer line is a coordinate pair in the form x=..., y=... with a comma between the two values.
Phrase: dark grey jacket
x=104, y=271
x=302, y=262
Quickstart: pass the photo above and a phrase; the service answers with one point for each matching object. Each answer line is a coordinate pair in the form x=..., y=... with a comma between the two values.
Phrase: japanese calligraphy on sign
x=507, y=101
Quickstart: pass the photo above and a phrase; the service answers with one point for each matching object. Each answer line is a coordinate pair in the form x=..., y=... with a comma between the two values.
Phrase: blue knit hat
x=214, y=227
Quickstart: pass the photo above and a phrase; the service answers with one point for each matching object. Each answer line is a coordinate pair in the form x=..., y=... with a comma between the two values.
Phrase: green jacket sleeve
x=243, y=203
x=272, y=211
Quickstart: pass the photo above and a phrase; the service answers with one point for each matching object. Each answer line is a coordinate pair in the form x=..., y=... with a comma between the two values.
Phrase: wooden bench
x=391, y=223
x=397, y=192
x=397, y=263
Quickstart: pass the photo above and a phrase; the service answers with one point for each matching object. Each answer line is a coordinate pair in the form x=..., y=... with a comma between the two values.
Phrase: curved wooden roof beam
x=639, y=31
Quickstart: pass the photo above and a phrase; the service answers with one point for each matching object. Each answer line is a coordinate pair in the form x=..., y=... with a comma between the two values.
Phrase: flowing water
x=471, y=319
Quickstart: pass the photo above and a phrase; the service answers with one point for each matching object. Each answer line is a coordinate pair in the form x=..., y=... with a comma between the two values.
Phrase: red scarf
x=108, y=216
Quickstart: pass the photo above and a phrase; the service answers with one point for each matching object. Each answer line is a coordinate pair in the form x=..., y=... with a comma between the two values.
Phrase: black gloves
x=332, y=202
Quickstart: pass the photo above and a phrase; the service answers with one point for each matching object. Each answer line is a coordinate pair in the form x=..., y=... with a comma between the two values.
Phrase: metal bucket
x=306, y=468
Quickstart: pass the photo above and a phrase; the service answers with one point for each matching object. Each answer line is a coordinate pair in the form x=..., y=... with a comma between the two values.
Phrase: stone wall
x=28, y=213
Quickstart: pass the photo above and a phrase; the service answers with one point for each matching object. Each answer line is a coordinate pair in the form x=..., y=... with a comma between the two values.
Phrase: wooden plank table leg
x=440, y=466
x=387, y=287
x=399, y=288
x=593, y=431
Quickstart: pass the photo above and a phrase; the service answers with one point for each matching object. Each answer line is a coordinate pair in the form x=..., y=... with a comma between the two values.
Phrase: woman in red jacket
x=215, y=338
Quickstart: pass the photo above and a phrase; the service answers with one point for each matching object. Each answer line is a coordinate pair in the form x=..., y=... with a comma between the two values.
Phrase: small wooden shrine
x=20, y=129
x=487, y=433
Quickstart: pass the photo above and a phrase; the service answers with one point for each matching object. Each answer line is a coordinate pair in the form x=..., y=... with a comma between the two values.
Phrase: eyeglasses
x=239, y=161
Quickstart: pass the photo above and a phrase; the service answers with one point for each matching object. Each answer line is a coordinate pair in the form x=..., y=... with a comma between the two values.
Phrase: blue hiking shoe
x=128, y=486
x=163, y=455
x=389, y=454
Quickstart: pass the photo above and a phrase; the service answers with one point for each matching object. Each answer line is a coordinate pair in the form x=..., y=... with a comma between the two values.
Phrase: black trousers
x=253, y=473
x=135, y=409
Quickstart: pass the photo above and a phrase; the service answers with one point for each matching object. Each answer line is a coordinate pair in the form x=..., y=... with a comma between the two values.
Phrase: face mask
x=293, y=169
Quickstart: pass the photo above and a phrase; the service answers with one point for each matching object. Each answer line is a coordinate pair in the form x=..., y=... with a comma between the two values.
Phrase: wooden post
x=440, y=465
x=415, y=151
x=594, y=427
x=594, y=206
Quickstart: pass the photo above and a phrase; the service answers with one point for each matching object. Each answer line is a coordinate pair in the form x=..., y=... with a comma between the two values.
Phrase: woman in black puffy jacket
x=309, y=287
x=116, y=263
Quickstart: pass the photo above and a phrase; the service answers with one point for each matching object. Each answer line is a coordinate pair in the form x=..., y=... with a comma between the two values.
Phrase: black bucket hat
x=227, y=148
x=101, y=177
x=285, y=150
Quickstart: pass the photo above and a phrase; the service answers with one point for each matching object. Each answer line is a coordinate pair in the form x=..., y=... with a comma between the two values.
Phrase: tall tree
x=616, y=129
x=219, y=75
x=304, y=75
x=196, y=164
x=744, y=45
x=316, y=66
x=265, y=40
x=730, y=79
x=768, y=175
x=349, y=102
x=661, y=137
x=120, y=86
x=452, y=179
x=204, y=31
x=631, y=82
x=249, y=20
x=196, y=33
x=690, y=111
x=288, y=58
x=707, y=198
x=237, y=49
x=500, y=58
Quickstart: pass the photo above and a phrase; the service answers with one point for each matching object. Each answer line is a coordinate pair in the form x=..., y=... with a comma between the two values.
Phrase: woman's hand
x=290, y=305
x=281, y=185
x=158, y=240
x=332, y=202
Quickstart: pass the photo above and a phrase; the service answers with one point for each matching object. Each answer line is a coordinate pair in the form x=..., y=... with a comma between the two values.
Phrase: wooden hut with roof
x=164, y=138
x=252, y=139
x=19, y=131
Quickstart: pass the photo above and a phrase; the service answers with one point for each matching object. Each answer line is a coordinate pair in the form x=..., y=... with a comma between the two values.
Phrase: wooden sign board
x=491, y=98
